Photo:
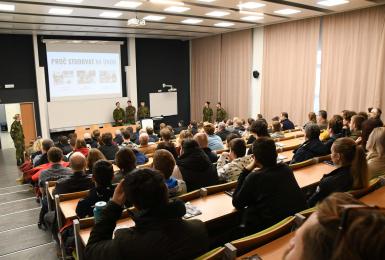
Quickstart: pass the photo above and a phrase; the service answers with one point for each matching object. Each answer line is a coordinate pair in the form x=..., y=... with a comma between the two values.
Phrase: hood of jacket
x=195, y=159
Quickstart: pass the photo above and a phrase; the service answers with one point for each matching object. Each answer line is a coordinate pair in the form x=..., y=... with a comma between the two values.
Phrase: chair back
x=190, y=195
x=373, y=185
x=324, y=158
x=220, y=187
x=303, y=164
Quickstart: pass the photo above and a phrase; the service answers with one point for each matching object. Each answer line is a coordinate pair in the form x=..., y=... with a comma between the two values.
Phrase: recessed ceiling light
x=223, y=24
x=252, y=18
x=128, y=4
x=153, y=18
x=287, y=11
x=206, y=1
x=332, y=2
x=177, y=9
x=192, y=21
x=70, y=1
x=109, y=14
x=251, y=5
x=218, y=13
x=167, y=2
x=60, y=11
x=6, y=7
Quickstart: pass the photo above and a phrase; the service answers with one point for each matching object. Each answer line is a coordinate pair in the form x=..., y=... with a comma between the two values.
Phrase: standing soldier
x=118, y=115
x=17, y=135
x=143, y=111
x=221, y=113
x=130, y=113
x=207, y=113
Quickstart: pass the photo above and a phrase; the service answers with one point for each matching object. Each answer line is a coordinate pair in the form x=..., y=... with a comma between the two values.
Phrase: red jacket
x=39, y=169
x=83, y=150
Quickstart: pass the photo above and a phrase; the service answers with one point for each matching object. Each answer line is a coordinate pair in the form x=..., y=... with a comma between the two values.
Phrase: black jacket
x=197, y=169
x=158, y=234
x=118, y=139
x=309, y=149
x=328, y=143
x=66, y=148
x=78, y=181
x=287, y=124
x=223, y=134
x=109, y=151
x=270, y=195
x=86, y=205
x=42, y=160
x=91, y=142
x=339, y=180
x=212, y=156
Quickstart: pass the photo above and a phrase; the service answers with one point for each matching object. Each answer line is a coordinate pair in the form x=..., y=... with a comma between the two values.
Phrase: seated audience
x=375, y=112
x=334, y=130
x=78, y=180
x=367, y=128
x=194, y=167
x=277, y=130
x=356, y=127
x=360, y=235
x=81, y=147
x=238, y=126
x=153, y=138
x=108, y=148
x=91, y=143
x=363, y=114
x=269, y=193
x=312, y=117
x=260, y=117
x=102, y=174
x=127, y=140
x=166, y=143
x=43, y=159
x=257, y=129
x=165, y=163
x=312, y=147
x=181, y=126
x=346, y=120
x=96, y=136
x=231, y=164
x=322, y=120
x=193, y=127
x=184, y=134
x=376, y=152
x=118, y=139
x=64, y=145
x=144, y=146
x=126, y=161
x=230, y=125
x=37, y=149
x=73, y=139
x=351, y=172
x=160, y=232
x=94, y=155
x=286, y=123
x=203, y=142
x=222, y=132
x=215, y=142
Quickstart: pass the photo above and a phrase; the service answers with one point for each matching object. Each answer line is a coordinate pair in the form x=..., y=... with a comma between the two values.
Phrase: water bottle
x=99, y=206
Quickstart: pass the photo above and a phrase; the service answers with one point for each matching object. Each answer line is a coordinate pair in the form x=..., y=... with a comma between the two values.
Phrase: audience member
x=94, y=155
x=238, y=126
x=152, y=138
x=181, y=126
x=166, y=143
x=126, y=161
x=367, y=128
x=96, y=136
x=127, y=140
x=203, y=142
x=268, y=194
x=230, y=125
x=158, y=224
x=184, y=134
x=334, y=130
x=144, y=146
x=91, y=143
x=165, y=163
x=375, y=112
x=376, y=152
x=81, y=147
x=312, y=119
x=102, y=174
x=356, y=127
x=222, y=132
x=108, y=148
x=277, y=130
x=37, y=149
x=363, y=114
x=286, y=123
x=64, y=145
x=322, y=120
x=351, y=172
x=347, y=118
x=118, y=139
x=45, y=145
x=257, y=129
x=215, y=142
x=193, y=127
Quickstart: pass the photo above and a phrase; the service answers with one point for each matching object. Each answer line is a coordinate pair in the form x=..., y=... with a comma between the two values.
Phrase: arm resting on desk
x=244, y=190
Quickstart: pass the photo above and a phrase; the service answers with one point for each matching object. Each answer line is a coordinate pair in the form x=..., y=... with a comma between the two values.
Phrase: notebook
x=191, y=211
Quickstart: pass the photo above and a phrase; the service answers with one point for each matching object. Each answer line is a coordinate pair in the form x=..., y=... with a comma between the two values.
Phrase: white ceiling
x=33, y=16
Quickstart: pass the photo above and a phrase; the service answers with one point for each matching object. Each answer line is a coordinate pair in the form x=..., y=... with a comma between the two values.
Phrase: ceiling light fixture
x=206, y=1
x=332, y=2
x=177, y=9
x=252, y=18
x=6, y=7
x=128, y=4
x=153, y=18
x=109, y=14
x=192, y=21
x=217, y=13
x=60, y=11
x=223, y=24
x=287, y=11
x=251, y=5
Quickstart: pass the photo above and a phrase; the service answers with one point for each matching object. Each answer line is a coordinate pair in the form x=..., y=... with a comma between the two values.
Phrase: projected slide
x=83, y=74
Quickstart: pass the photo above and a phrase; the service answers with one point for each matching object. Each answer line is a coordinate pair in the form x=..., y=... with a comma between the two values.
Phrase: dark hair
x=117, y=103
x=189, y=145
x=367, y=128
x=231, y=136
x=63, y=140
x=80, y=143
x=219, y=103
x=96, y=133
x=181, y=122
x=149, y=130
x=209, y=129
x=285, y=114
x=259, y=127
x=145, y=189
x=208, y=102
x=55, y=155
x=47, y=144
x=312, y=117
x=125, y=159
x=250, y=120
x=194, y=123
x=336, y=124
x=358, y=120
x=93, y=156
x=323, y=114
x=312, y=131
x=347, y=115
x=363, y=114
x=165, y=133
x=265, y=152
x=103, y=172
x=238, y=147
x=107, y=138
x=259, y=116
x=276, y=126
x=276, y=118
x=164, y=162
x=126, y=134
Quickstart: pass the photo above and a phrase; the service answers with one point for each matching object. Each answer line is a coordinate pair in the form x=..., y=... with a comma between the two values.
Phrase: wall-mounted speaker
x=255, y=74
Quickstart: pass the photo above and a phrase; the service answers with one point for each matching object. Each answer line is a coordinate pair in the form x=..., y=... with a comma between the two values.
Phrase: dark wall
x=17, y=67
x=164, y=61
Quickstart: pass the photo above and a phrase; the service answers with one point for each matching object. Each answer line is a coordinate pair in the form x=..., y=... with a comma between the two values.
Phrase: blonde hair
x=37, y=145
x=184, y=134
x=376, y=141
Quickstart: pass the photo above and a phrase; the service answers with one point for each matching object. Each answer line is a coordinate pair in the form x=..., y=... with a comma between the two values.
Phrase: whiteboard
x=72, y=113
x=163, y=104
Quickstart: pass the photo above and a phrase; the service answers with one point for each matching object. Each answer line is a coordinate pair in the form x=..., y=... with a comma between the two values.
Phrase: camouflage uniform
x=143, y=112
x=118, y=115
x=17, y=135
x=221, y=114
x=130, y=115
x=207, y=114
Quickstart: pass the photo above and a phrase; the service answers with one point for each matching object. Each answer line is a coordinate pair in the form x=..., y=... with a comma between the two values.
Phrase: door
x=27, y=112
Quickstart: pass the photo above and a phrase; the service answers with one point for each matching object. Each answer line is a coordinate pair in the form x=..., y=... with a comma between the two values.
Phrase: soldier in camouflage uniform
x=130, y=113
x=118, y=115
x=143, y=111
x=207, y=113
x=17, y=135
x=221, y=113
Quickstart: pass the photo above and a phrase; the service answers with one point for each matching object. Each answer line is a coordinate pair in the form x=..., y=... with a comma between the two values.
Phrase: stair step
x=19, y=220
x=43, y=252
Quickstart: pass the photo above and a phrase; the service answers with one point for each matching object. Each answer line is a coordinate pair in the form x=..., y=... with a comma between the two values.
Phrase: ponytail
x=359, y=169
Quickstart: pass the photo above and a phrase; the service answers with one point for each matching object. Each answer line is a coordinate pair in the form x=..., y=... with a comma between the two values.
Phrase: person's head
x=230, y=137
x=221, y=126
x=335, y=125
x=162, y=125
x=362, y=236
x=374, y=112
x=17, y=117
x=142, y=103
x=193, y=124
x=165, y=134
x=117, y=104
x=38, y=145
x=143, y=139
x=55, y=155
x=125, y=159
x=80, y=143
x=145, y=189
x=347, y=117
x=46, y=145
x=149, y=130
x=356, y=123
x=87, y=136
x=265, y=152
x=276, y=126
x=93, y=156
x=346, y=153
x=238, y=122
x=126, y=135
x=170, y=128
x=367, y=128
x=102, y=173
x=312, y=117
x=164, y=162
x=259, y=127
x=78, y=162
x=322, y=116
x=312, y=131
x=259, y=116
x=229, y=122
x=96, y=134
x=237, y=148
x=73, y=142
x=284, y=115
x=189, y=145
x=250, y=121
x=118, y=132
x=181, y=123
x=376, y=141
x=129, y=103
x=202, y=140
x=219, y=105
x=107, y=138
x=209, y=129
x=184, y=134
x=207, y=104
x=363, y=114
x=63, y=140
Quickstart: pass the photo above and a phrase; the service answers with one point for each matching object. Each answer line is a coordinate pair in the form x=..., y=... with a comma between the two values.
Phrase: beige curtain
x=236, y=72
x=205, y=73
x=289, y=69
x=353, y=60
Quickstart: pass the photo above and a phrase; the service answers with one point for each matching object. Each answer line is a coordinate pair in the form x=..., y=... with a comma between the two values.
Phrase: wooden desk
x=288, y=154
x=376, y=197
x=312, y=174
x=68, y=208
x=111, y=129
x=292, y=142
x=296, y=134
x=273, y=250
